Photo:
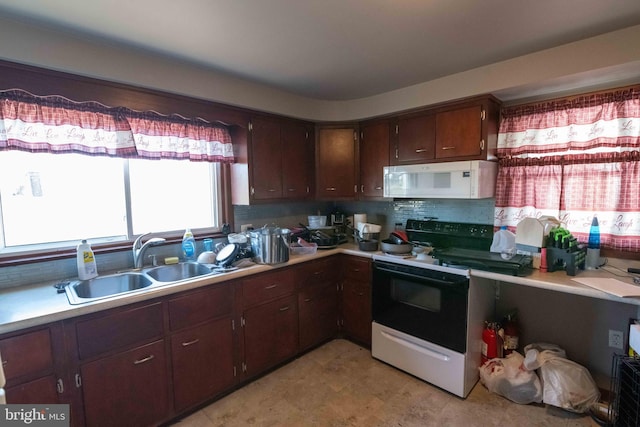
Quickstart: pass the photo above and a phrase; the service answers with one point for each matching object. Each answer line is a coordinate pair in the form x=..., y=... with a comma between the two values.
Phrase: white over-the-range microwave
x=475, y=179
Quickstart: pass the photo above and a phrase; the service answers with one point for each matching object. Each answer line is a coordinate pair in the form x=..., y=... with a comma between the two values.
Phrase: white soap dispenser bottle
x=86, y=261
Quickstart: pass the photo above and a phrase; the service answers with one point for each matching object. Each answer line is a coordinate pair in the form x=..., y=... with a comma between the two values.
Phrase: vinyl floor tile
x=340, y=385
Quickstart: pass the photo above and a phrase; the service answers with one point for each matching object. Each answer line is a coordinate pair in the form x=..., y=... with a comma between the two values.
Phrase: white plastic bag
x=507, y=378
x=565, y=383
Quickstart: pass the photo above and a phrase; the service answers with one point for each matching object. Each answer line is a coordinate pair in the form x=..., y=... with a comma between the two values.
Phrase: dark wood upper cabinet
x=415, y=139
x=459, y=133
x=374, y=156
x=336, y=163
x=266, y=159
x=281, y=161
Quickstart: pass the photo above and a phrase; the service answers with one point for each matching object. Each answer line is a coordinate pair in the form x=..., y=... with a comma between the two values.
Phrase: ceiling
x=333, y=49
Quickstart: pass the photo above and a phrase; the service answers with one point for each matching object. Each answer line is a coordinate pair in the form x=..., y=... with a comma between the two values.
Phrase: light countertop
x=27, y=306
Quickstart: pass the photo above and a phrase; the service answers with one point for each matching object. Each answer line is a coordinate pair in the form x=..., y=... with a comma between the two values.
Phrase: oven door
x=424, y=303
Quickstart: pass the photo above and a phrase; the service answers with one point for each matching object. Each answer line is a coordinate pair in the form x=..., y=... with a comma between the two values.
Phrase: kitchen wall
x=609, y=60
x=385, y=213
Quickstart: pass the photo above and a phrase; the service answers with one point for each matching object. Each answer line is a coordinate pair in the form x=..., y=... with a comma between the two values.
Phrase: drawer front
x=357, y=268
x=27, y=355
x=200, y=306
x=267, y=287
x=119, y=330
x=317, y=272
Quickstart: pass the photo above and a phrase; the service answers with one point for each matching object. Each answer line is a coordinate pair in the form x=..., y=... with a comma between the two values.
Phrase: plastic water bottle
x=593, y=246
x=188, y=246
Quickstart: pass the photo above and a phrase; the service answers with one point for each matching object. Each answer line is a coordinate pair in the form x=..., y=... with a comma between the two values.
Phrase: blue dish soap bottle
x=188, y=246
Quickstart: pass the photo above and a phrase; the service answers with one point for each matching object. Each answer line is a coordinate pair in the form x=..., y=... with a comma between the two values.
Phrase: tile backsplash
x=385, y=213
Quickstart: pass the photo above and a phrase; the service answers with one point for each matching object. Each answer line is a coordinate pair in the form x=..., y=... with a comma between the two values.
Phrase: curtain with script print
x=54, y=124
x=573, y=159
x=157, y=136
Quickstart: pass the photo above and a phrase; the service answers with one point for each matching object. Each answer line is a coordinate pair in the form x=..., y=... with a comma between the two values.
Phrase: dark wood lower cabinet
x=127, y=389
x=318, y=315
x=202, y=359
x=42, y=390
x=270, y=334
x=356, y=311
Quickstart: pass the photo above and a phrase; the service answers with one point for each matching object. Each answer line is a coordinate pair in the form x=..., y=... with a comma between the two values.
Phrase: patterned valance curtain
x=57, y=125
x=573, y=159
x=175, y=137
x=54, y=124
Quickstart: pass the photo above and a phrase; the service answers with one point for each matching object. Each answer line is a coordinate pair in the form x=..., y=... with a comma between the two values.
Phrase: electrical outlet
x=615, y=339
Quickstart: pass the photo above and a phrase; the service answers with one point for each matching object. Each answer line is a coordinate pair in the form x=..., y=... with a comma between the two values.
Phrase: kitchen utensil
x=390, y=247
x=227, y=254
x=368, y=245
x=270, y=245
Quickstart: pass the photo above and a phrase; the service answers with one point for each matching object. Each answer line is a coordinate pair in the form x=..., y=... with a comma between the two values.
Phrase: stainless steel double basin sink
x=83, y=291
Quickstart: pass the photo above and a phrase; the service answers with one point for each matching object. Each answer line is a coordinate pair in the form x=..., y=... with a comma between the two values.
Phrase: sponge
x=171, y=260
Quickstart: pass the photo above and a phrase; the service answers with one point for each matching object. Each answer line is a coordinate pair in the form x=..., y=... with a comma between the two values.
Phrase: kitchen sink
x=176, y=272
x=81, y=291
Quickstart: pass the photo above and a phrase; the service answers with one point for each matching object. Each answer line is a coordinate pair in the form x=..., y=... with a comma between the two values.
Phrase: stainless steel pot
x=270, y=245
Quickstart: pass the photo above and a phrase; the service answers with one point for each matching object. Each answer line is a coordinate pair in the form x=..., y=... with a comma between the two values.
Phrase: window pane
x=172, y=195
x=54, y=198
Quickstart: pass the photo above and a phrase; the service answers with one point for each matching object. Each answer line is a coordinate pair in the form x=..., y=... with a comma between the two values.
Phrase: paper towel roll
x=358, y=219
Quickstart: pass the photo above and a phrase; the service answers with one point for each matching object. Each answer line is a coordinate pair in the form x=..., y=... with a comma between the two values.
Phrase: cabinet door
x=356, y=298
x=356, y=310
x=266, y=159
x=270, y=334
x=415, y=140
x=40, y=391
x=318, y=314
x=26, y=356
x=374, y=155
x=297, y=160
x=127, y=389
x=336, y=163
x=202, y=362
x=459, y=133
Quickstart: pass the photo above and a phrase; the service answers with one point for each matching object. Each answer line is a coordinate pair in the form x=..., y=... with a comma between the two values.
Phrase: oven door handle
x=416, y=347
x=421, y=278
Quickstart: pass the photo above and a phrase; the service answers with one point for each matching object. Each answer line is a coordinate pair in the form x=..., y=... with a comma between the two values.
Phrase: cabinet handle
x=285, y=308
x=4, y=362
x=291, y=190
x=188, y=343
x=271, y=190
x=448, y=148
x=397, y=152
x=144, y=360
x=78, y=381
x=378, y=188
x=360, y=294
x=275, y=285
x=315, y=273
x=60, y=386
x=330, y=188
x=307, y=300
x=362, y=188
x=420, y=150
x=253, y=191
x=481, y=144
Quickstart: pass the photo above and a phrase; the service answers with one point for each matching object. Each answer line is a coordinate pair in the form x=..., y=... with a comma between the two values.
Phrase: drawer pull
x=271, y=286
x=188, y=343
x=60, y=386
x=307, y=299
x=4, y=362
x=448, y=148
x=284, y=308
x=420, y=150
x=315, y=273
x=330, y=188
x=144, y=360
x=271, y=190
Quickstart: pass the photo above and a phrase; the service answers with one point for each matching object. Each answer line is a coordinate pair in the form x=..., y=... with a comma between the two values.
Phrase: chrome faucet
x=139, y=249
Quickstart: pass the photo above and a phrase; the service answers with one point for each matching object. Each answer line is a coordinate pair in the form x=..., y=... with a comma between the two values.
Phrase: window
x=54, y=200
x=573, y=159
